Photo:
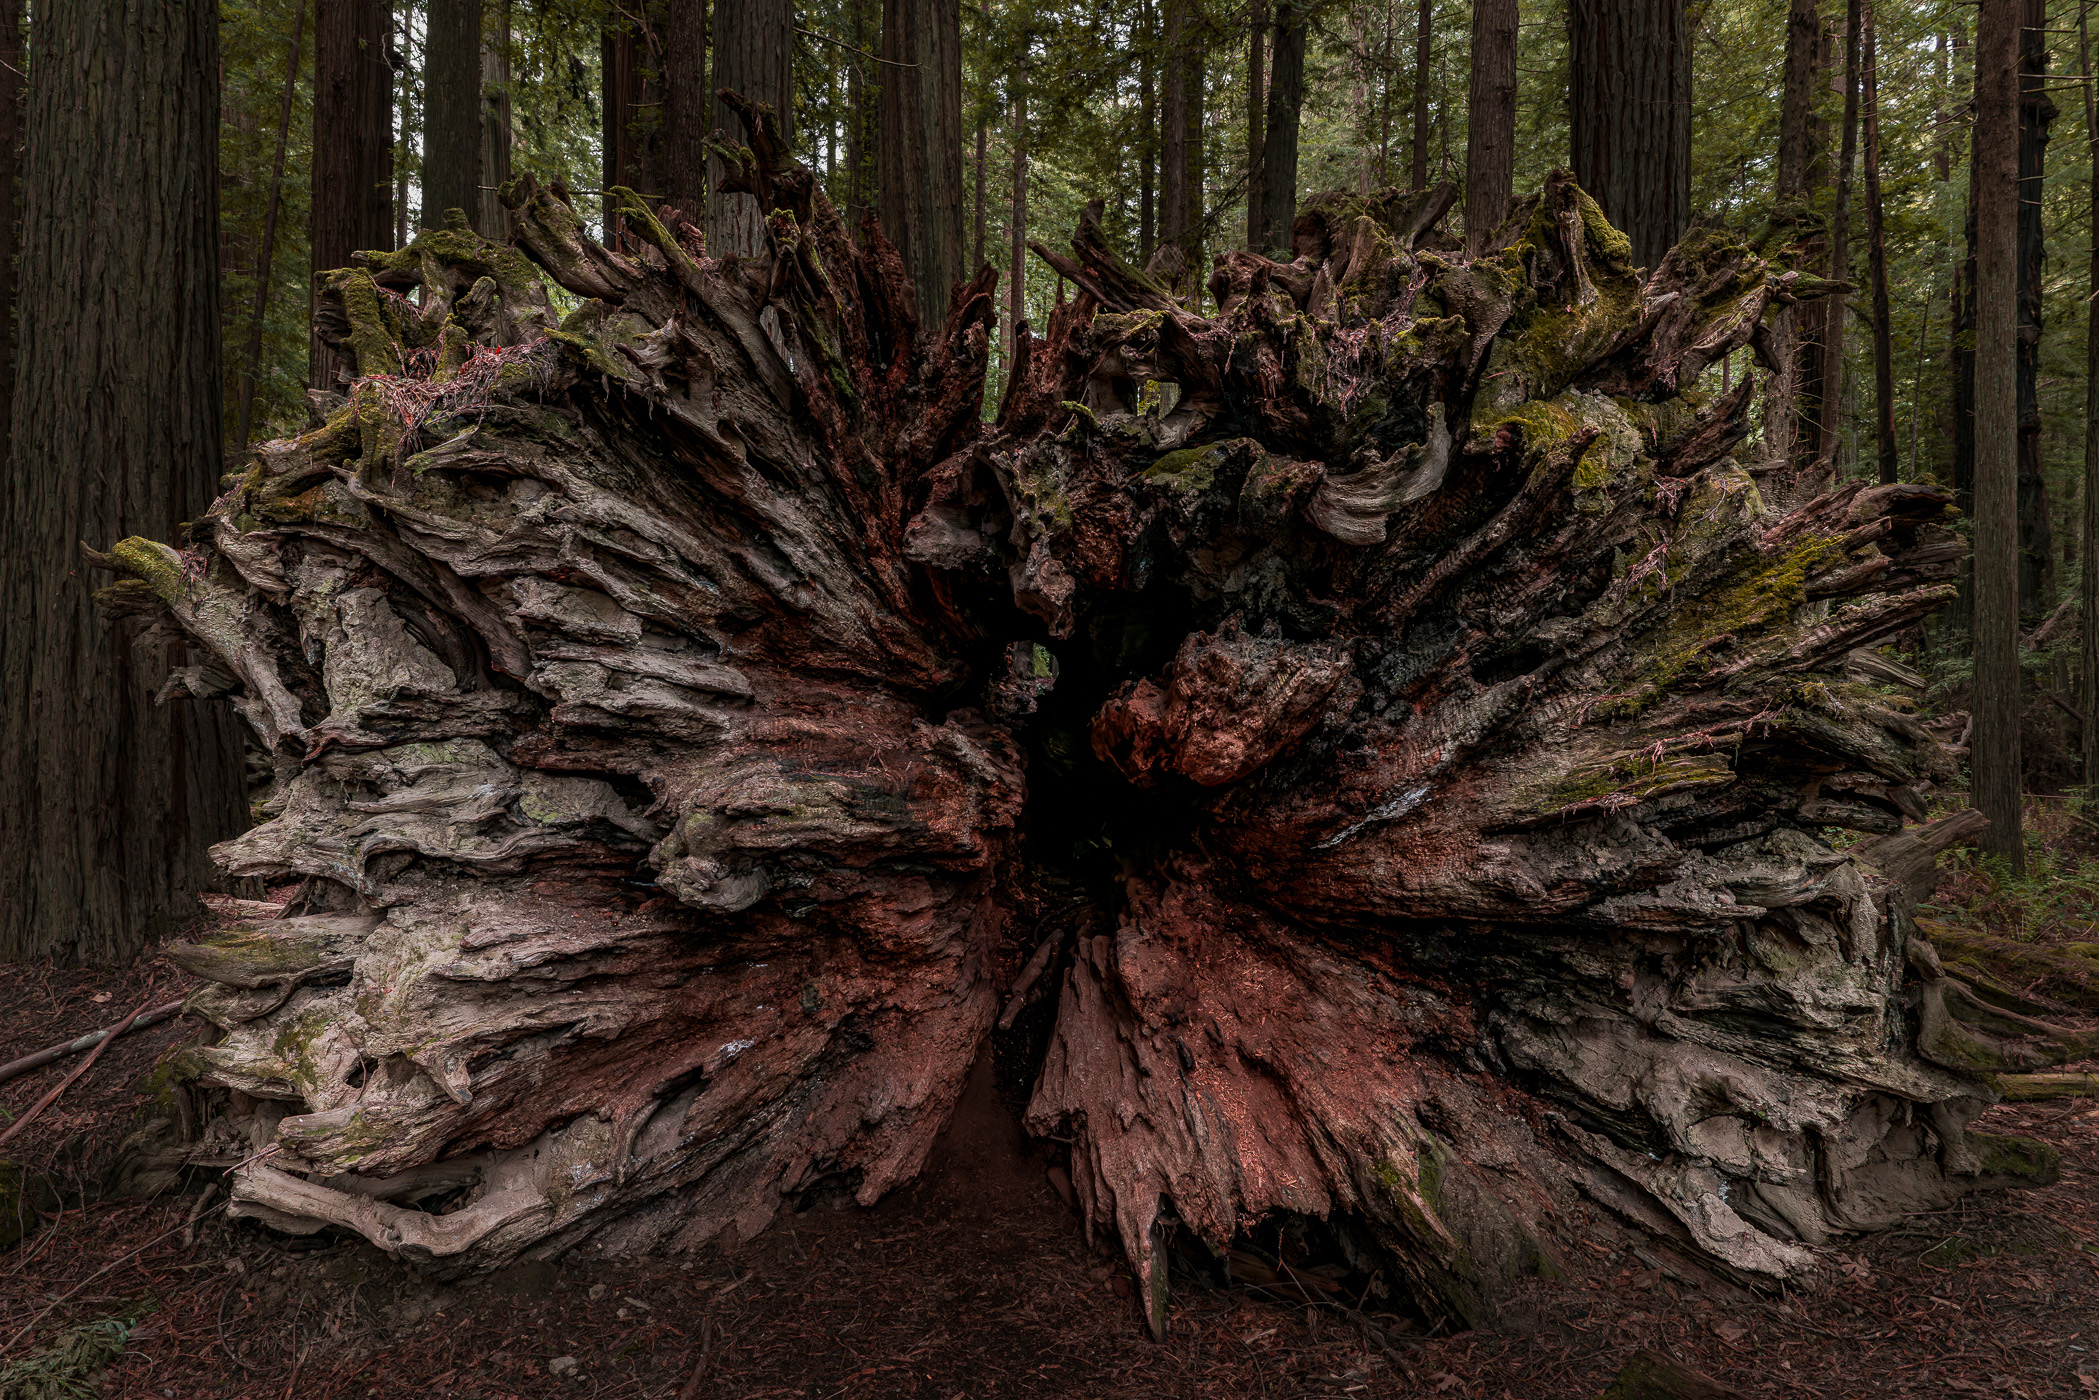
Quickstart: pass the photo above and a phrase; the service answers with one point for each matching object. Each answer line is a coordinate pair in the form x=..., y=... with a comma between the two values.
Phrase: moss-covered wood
x=1404, y=734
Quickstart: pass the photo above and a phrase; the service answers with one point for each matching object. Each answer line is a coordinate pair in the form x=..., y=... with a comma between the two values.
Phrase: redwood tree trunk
x=451, y=110
x=107, y=798
x=1994, y=757
x=1257, y=123
x=488, y=212
x=695, y=721
x=1490, y=140
x=754, y=58
x=921, y=143
x=630, y=106
x=2037, y=112
x=1877, y=252
x=688, y=107
x=1424, y=53
x=1835, y=311
x=2088, y=544
x=1286, y=94
x=352, y=202
x=1629, y=105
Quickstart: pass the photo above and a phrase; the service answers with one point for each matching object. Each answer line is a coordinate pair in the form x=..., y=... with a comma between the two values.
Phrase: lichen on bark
x=1429, y=732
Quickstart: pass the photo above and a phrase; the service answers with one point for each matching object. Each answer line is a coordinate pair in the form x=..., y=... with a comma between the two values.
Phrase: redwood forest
x=1101, y=698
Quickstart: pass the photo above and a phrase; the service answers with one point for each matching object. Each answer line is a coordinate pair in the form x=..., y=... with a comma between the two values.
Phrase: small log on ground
x=1414, y=727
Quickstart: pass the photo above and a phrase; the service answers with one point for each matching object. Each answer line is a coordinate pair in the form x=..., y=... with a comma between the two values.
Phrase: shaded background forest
x=1090, y=129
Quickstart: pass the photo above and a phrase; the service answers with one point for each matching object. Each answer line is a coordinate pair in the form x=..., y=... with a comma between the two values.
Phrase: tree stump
x=1405, y=731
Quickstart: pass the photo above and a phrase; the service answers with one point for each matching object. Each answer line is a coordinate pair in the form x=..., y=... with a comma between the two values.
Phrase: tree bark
x=1994, y=756
x=488, y=212
x=1836, y=308
x=452, y=111
x=403, y=18
x=11, y=69
x=1286, y=93
x=754, y=58
x=1148, y=135
x=1793, y=392
x=859, y=159
x=2088, y=552
x=107, y=799
x=1424, y=55
x=631, y=143
x=1877, y=253
x=688, y=107
x=1257, y=89
x=1490, y=123
x=921, y=145
x=690, y=717
x=1017, y=225
x=352, y=203
x=1629, y=111
x=266, y=258
x=978, y=194
x=2037, y=112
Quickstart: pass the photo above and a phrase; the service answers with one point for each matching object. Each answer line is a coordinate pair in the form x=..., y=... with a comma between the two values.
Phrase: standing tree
x=688, y=107
x=1792, y=397
x=496, y=133
x=1877, y=253
x=1179, y=256
x=11, y=66
x=452, y=137
x=754, y=58
x=1836, y=308
x=1017, y=214
x=2088, y=544
x=107, y=798
x=1994, y=757
x=921, y=143
x=352, y=206
x=251, y=363
x=2037, y=112
x=1490, y=122
x=632, y=102
x=1424, y=56
x=1286, y=95
x=1629, y=110
x=1257, y=122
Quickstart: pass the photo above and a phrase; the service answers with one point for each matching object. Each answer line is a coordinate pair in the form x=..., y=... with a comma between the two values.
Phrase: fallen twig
x=15, y=1068
x=85, y=1065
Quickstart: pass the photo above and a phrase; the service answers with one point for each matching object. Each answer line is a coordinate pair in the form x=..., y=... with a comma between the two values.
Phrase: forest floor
x=977, y=1282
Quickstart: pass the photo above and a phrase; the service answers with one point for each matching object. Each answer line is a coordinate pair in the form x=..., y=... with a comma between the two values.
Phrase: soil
x=977, y=1282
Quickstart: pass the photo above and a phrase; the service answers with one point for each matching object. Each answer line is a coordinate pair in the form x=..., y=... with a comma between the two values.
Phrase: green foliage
x=2057, y=897
x=61, y=1370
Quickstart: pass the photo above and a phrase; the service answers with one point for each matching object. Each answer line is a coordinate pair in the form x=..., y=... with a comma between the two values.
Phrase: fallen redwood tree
x=1403, y=735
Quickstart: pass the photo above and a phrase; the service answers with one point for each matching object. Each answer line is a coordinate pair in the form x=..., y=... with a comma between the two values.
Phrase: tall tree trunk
x=452, y=134
x=1490, y=122
x=1171, y=260
x=921, y=144
x=859, y=157
x=632, y=937
x=1793, y=392
x=754, y=58
x=1629, y=108
x=1877, y=241
x=1148, y=138
x=1286, y=93
x=266, y=258
x=1424, y=54
x=1994, y=758
x=1836, y=309
x=353, y=148
x=107, y=799
x=405, y=128
x=688, y=107
x=12, y=65
x=978, y=196
x=627, y=105
x=2037, y=112
x=1257, y=90
x=2088, y=551
x=1017, y=224
x=488, y=212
